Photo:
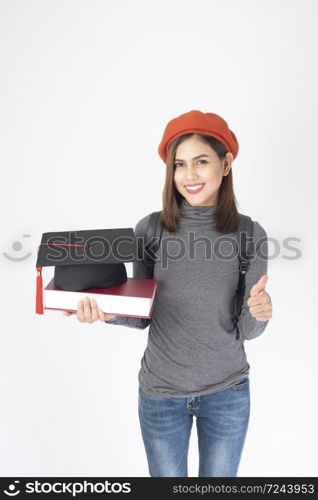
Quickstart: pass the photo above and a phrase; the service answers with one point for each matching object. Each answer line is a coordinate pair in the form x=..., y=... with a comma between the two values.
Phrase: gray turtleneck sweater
x=191, y=350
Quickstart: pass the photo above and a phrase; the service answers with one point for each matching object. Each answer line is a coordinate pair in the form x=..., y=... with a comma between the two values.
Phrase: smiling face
x=196, y=164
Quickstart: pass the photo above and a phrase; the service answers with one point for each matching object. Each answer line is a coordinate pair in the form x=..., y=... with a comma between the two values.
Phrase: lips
x=196, y=188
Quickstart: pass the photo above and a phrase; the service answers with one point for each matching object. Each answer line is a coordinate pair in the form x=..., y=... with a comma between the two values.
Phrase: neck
x=195, y=215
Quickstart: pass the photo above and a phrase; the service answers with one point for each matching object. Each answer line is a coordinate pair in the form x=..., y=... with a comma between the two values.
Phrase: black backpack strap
x=246, y=252
x=152, y=240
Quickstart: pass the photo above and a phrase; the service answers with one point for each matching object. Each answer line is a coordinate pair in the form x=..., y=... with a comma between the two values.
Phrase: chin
x=198, y=200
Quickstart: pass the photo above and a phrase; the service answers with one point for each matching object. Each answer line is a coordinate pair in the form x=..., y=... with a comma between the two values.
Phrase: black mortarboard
x=85, y=259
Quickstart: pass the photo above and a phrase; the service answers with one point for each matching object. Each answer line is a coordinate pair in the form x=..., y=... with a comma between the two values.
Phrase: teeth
x=193, y=188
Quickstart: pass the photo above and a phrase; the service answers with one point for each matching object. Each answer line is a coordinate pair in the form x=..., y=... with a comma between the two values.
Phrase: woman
x=193, y=364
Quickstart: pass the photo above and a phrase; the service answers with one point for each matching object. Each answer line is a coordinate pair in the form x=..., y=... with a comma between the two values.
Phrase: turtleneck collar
x=195, y=216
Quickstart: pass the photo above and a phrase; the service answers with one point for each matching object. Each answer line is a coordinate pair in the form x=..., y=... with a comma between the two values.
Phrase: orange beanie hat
x=202, y=123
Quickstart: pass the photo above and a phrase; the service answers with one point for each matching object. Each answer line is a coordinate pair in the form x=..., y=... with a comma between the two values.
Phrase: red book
x=133, y=298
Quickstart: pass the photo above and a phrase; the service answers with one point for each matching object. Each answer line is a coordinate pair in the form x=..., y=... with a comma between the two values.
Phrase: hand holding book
x=89, y=312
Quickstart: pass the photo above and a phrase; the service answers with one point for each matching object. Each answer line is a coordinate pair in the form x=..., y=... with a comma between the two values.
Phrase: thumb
x=259, y=286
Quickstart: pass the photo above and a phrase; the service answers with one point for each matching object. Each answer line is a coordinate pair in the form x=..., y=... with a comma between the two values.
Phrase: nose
x=190, y=174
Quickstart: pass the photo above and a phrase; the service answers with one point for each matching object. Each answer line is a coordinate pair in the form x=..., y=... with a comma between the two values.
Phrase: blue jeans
x=222, y=421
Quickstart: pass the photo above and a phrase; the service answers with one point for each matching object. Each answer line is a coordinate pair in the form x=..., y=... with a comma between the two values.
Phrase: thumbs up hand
x=259, y=302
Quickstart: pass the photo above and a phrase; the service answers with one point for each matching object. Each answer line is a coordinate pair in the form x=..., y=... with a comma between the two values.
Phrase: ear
x=227, y=163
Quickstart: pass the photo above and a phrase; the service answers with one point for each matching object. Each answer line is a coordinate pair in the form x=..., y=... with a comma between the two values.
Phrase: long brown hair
x=226, y=216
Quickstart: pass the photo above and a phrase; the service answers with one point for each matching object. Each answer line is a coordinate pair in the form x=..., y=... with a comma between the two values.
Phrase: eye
x=180, y=163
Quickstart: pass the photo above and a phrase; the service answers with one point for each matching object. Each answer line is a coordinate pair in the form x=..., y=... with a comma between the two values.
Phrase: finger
x=263, y=309
x=256, y=309
x=102, y=315
x=80, y=311
x=266, y=306
x=66, y=313
x=95, y=313
x=263, y=317
x=259, y=286
x=87, y=310
x=262, y=301
x=260, y=298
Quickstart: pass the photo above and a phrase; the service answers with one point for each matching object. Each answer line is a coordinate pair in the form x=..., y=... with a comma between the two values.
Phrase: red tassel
x=39, y=292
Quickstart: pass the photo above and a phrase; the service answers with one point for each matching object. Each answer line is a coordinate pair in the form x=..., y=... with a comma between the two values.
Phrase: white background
x=86, y=89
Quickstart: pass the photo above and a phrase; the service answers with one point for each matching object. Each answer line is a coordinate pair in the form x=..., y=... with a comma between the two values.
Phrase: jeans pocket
x=242, y=383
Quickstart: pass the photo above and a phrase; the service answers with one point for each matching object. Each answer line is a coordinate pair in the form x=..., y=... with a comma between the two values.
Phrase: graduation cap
x=85, y=259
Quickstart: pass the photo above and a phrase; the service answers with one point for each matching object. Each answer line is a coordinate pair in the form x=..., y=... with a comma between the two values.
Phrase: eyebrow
x=195, y=158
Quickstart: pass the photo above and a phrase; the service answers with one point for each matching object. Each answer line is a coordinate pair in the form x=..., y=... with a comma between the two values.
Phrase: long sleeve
x=248, y=326
x=139, y=271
